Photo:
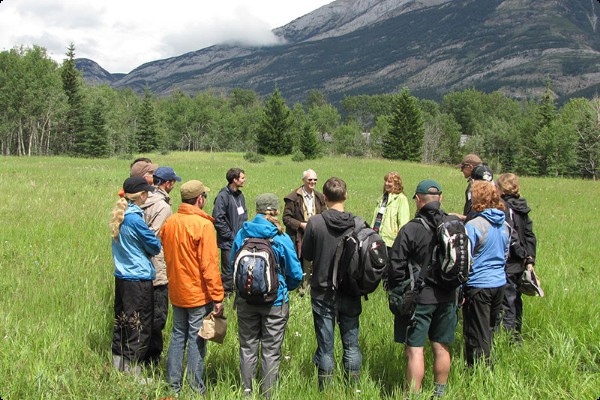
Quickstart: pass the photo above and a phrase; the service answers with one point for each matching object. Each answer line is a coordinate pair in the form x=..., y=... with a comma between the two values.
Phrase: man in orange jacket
x=195, y=288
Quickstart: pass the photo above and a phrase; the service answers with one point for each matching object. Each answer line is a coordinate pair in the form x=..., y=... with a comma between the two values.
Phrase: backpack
x=255, y=271
x=360, y=260
x=452, y=258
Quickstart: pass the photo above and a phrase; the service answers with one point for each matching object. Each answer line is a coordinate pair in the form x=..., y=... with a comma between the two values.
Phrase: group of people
x=161, y=256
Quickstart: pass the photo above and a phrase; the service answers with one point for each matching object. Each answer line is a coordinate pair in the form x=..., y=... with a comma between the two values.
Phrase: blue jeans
x=186, y=324
x=347, y=312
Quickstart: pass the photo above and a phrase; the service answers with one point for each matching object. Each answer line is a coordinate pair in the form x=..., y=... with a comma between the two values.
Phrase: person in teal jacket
x=391, y=212
x=133, y=244
x=264, y=325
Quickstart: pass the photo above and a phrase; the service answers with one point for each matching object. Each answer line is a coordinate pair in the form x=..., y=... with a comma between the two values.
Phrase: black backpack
x=255, y=271
x=451, y=259
x=360, y=260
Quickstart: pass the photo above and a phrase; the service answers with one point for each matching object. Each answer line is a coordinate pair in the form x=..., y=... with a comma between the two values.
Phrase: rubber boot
x=117, y=362
x=324, y=378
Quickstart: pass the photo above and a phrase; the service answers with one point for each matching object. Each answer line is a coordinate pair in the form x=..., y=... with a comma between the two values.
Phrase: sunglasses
x=312, y=180
x=204, y=195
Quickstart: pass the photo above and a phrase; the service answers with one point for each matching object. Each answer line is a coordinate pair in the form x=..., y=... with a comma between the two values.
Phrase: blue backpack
x=255, y=271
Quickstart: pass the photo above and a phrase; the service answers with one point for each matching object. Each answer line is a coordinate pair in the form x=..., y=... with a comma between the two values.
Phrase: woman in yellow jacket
x=391, y=211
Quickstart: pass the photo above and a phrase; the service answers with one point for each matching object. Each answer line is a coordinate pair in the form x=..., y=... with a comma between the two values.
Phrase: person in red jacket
x=195, y=288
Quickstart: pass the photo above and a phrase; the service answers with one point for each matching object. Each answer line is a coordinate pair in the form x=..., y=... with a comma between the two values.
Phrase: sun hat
x=141, y=168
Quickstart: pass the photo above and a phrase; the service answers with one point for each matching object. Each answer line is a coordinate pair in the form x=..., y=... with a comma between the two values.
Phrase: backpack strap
x=338, y=254
x=423, y=271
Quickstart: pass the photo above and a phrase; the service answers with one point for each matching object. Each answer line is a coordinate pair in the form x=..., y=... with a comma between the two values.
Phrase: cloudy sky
x=123, y=34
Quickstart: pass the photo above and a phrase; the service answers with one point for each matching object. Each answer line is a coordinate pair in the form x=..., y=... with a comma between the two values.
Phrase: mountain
x=351, y=47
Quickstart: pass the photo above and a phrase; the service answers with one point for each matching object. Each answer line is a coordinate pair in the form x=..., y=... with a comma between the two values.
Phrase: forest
x=48, y=109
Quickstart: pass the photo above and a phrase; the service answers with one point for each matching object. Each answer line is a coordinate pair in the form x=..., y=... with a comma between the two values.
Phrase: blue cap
x=166, y=174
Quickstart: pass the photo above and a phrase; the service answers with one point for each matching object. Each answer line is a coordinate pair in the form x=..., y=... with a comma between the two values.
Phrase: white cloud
x=121, y=35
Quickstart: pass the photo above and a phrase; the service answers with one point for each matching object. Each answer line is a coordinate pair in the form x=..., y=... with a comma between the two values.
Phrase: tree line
x=49, y=110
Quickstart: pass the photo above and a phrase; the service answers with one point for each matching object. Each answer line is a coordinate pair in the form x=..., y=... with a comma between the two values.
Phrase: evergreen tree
x=147, y=132
x=273, y=136
x=75, y=122
x=547, y=107
x=96, y=143
x=405, y=136
x=309, y=144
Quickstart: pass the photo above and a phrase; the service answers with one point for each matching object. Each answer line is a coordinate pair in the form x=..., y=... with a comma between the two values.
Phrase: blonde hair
x=509, y=184
x=271, y=216
x=118, y=212
x=485, y=195
x=398, y=187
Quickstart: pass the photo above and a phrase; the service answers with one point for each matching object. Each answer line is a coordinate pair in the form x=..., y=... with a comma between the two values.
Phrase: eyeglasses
x=312, y=180
x=204, y=195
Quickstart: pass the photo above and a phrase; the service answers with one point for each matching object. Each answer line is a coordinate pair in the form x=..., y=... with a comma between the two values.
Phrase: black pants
x=512, y=306
x=480, y=313
x=226, y=271
x=161, y=312
x=133, y=319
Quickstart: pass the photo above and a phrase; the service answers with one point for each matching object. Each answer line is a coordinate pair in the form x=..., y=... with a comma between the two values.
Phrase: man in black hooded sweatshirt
x=436, y=312
x=323, y=233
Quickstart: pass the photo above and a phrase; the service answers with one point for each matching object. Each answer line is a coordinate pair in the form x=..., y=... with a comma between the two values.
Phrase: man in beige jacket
x=156, y=211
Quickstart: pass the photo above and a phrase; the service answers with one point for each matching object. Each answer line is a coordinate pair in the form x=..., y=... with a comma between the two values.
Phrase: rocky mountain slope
x=351, y=47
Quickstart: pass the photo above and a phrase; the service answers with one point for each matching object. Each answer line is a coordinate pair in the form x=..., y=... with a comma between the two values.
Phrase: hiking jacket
x=414, y=247
x=523, y=247
x=323, y=233
x=284, y=251
x=136, y=244
x=490, y=239
x=227, y=219
x=395, y=216
x=156, y=211
x=192, y=258
x=295, y=212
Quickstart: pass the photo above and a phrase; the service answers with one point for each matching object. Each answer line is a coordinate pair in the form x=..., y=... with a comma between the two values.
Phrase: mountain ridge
x=351, y=47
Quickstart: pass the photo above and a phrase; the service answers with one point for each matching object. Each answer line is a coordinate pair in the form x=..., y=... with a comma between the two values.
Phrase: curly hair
x=485, y=195
x=118, y=213
x=398, y=186
x=509, y=184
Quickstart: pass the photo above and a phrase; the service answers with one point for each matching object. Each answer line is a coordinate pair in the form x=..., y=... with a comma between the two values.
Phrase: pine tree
x=75, y=121
x=405, y=136
x=309, y=144
x=96, y=143
x=147, y=133
x=273, y=136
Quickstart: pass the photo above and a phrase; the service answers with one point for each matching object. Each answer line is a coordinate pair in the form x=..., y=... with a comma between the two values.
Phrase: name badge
x=240, y=210
x=382, y=210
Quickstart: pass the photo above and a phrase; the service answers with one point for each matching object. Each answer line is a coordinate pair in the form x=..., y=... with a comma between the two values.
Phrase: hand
x=529, y=267
x=218, y=311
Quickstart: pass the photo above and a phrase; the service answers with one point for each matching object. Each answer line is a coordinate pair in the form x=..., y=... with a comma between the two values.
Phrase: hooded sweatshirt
x=490, y=237
x=283, y=247
x=322, y=235
x=157, y=209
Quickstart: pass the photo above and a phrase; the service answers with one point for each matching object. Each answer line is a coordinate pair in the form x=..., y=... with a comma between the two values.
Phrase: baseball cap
x=428, y=186
x=266, y=202
x=141, y=168
x=192, y=189
x=166, y=174
x=471, y=159
x=135, y=184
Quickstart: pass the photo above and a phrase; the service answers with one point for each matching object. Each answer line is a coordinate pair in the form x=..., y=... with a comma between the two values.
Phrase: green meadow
x=56, y=286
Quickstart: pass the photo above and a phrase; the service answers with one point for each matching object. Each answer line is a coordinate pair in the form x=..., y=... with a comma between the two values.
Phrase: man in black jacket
x=436, y=311
x=230, y=213
x=323, y=233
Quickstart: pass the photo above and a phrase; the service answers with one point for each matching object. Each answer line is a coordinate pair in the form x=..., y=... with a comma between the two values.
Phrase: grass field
x=56, y=286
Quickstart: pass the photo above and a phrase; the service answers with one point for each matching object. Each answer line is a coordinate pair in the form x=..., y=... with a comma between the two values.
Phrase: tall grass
x=56, y=286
